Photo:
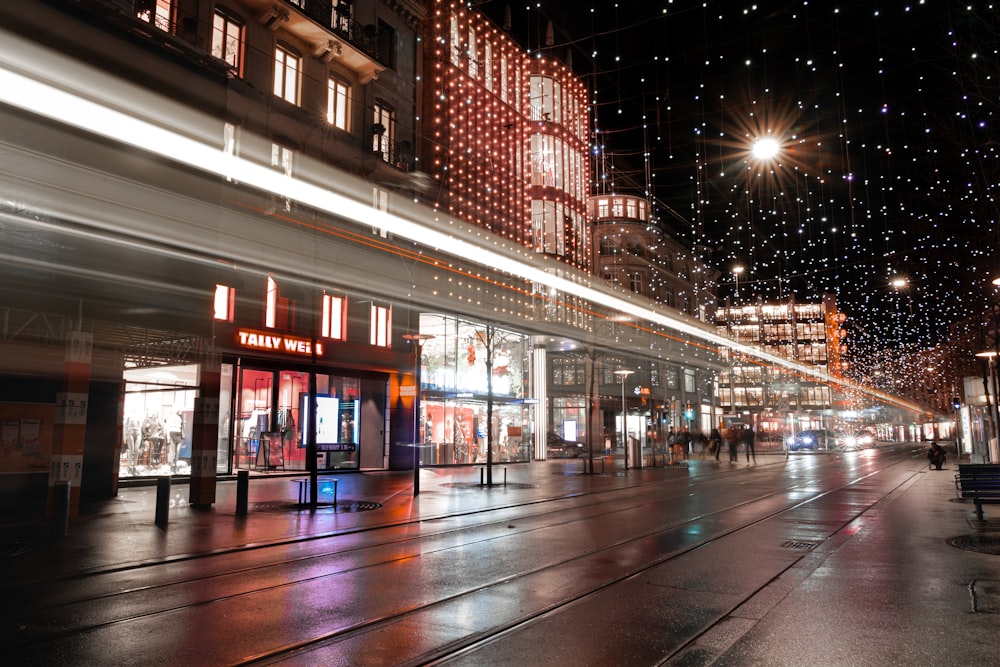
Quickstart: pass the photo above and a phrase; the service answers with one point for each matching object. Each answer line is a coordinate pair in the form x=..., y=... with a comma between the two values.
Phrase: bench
x=979, y=481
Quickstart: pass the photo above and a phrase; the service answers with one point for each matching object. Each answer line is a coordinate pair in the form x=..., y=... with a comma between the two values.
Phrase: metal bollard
x=242, y=492
x=162, y=500
x=60, y=508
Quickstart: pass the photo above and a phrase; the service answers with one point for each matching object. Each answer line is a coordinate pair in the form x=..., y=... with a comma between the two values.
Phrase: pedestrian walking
x=715, y=442
x=748, y=438
x=684, y=442
x=732, y=437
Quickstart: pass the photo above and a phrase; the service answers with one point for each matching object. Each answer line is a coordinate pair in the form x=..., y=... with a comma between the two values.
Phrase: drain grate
x=15, y=549
x=477, y=485
x=342, y=507
x=799, y=545
x=984, y=543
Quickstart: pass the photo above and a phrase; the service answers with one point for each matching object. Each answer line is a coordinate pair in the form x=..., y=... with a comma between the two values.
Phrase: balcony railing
x=338, y=19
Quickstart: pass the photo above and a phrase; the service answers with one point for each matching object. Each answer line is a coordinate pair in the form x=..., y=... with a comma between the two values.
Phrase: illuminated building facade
x=811, y=334
x=632, y=252
x=505, y=135
x=176, y=316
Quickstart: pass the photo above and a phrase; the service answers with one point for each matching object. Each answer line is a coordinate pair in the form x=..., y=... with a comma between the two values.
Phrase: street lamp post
x=737, y=270
x=417, y=340
x=624, y=374
x=991, y=454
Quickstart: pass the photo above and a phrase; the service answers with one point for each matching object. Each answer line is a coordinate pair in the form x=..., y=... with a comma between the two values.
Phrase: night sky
x=884, y=113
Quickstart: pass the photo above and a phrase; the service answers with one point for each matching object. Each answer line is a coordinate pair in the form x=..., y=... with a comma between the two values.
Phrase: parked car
x=812, y=440
x=558, y=447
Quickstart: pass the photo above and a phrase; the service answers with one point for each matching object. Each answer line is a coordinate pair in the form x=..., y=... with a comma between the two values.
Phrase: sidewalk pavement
x=121, y=531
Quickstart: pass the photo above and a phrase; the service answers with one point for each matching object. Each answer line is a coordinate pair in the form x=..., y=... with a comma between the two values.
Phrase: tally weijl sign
x=269, y=342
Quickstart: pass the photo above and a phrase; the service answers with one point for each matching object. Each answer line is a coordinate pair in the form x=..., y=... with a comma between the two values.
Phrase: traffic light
x=956, y=402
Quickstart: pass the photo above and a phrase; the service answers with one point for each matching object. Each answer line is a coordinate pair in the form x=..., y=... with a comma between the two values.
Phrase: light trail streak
x=26, y=71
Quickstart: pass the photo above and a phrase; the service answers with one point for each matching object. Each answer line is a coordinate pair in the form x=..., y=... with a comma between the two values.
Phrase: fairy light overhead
x=880, y=120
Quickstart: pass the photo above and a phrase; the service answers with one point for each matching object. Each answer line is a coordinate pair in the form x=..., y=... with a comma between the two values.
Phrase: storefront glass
x=272, y=420
x=158, y=416
x=456, y=390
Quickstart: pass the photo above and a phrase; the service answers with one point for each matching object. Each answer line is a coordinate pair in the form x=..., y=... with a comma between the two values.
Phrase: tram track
x=283, y=575
x=480, y=641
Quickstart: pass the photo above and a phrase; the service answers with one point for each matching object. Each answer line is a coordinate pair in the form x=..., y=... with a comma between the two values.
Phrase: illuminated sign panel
x=268, y=342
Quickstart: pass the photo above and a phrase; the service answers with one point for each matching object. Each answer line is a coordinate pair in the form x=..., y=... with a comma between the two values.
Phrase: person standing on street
x=748, y=438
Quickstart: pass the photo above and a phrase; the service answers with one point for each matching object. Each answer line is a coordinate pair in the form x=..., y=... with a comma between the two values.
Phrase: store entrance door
x=268, y=406
x=272, y=423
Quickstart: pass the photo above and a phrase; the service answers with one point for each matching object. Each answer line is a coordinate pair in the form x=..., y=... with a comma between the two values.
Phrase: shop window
x=159, y=13
x=224, y=303
x=334, y=317
x=287, y=68
x=338, y=104
x=381, y=326
x=227, y=40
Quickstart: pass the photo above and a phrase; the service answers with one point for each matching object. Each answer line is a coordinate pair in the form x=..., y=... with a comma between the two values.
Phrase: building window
x=609, y=247
x=279, y=311
x=603, y=208
x=542, y=98
x=488, y=65
x=689, y=383
x=617, y=208
x=281, y=159
x=456, y=42
x=380, y=202
x=338, y=104
x=343, y=14
x=386, y=45
x=160, y=13
x=224, y=306
x=334, y=317
x=383, y=130
x=630, y=209
x=635, y=282
x=381, y=325
x=503, y=78
x=227, y=40
x=287, y=66
x=473, y=56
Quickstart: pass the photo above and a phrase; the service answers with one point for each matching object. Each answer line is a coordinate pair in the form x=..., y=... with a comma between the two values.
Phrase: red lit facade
x=505, y=135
